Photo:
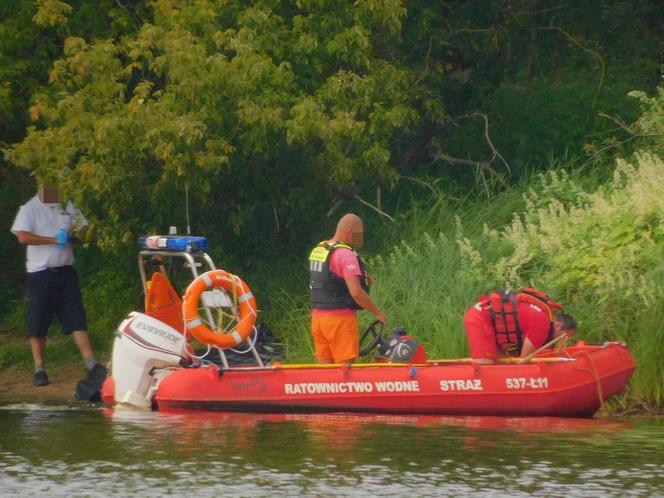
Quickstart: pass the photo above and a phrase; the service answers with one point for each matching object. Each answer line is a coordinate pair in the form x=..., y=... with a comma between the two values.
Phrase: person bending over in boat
x=339, y=287
x=504, y=323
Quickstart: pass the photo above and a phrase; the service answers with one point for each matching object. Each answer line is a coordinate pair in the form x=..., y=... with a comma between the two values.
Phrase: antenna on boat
x=186, y=196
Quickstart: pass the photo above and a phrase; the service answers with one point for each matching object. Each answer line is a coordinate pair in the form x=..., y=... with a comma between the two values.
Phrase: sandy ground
x=16, y=386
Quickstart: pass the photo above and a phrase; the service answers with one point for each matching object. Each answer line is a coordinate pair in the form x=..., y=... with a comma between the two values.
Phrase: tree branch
x=485, y=165
x=598, y=57
x=427, y=64
x=480, y=164
x=374, y=208
x=334, y=207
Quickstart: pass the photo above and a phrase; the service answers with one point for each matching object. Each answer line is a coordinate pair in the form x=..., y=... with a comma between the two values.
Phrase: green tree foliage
x=269, y=110
x=540, y=71
x=31, y=38
x=262, y=111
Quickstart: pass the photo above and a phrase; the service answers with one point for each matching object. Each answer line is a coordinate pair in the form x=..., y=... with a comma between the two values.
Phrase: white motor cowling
x=143, y=347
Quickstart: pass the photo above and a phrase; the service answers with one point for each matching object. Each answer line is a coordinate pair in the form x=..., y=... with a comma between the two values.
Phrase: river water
x=73, y=451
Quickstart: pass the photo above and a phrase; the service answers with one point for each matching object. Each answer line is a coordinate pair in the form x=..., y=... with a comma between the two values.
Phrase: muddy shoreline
x=16, y=385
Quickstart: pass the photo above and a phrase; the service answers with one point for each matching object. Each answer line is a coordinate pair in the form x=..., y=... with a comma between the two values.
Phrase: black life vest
x=503, y=311
x=328, y=291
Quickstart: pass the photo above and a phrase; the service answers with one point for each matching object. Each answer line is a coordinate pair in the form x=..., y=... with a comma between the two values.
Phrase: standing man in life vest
x=339, y=287
x=507, y=323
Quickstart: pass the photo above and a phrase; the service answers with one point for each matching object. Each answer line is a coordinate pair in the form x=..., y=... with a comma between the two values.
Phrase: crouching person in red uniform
x=505, y=323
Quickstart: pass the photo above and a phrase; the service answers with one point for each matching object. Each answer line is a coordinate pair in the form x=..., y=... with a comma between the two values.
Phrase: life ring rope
x=242, y=298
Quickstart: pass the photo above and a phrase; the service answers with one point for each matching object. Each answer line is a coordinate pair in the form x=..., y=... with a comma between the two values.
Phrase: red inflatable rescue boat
x=574, y=385
x=152, y=367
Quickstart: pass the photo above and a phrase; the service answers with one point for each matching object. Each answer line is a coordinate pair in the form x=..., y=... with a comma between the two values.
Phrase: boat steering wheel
x=376, y=338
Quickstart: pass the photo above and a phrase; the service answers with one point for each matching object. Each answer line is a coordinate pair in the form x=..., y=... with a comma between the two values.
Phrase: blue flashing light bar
x=180, y=243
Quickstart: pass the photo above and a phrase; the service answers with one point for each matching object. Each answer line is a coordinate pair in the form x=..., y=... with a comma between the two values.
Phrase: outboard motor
x=143, y=345
x=402, y=349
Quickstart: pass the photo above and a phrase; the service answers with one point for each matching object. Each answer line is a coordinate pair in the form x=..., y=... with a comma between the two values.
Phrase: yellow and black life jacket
x=328, y=291
x=502, y=307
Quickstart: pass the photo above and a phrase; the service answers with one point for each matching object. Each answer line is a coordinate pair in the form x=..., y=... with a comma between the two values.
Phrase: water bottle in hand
x=62, y=237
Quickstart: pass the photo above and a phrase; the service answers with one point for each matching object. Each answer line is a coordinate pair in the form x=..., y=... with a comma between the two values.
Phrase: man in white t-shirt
x=44, y=226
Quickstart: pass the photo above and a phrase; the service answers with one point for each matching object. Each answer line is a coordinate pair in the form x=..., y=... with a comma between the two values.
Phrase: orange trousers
x=336, y=338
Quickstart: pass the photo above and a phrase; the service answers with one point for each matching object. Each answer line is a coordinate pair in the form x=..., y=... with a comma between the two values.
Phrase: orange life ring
x=235, y=286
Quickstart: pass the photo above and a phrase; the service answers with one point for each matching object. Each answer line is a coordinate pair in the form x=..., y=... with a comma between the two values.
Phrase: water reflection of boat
x=150, y=352
x=344, y=421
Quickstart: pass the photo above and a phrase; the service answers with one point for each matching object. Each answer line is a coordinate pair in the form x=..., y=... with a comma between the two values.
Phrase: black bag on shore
x=89, y=389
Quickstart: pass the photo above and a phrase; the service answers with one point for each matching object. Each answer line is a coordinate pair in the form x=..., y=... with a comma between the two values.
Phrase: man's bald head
x=351, y=221
x=350, y=230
